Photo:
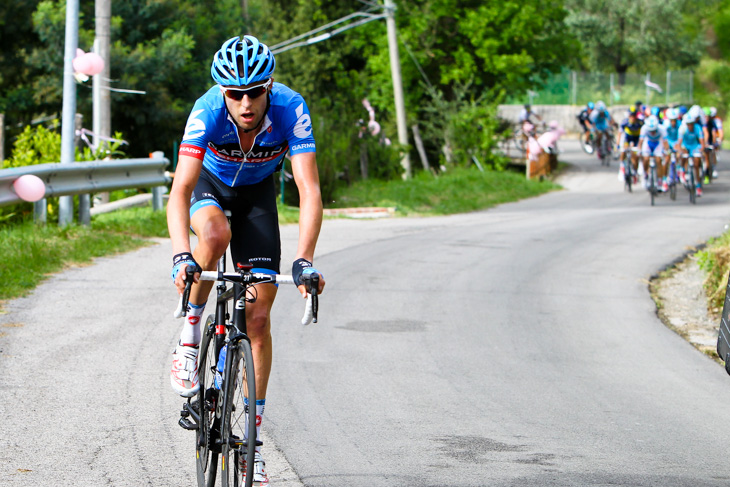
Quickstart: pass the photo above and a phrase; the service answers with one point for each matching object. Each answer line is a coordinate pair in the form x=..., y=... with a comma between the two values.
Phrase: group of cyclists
x=656, y=132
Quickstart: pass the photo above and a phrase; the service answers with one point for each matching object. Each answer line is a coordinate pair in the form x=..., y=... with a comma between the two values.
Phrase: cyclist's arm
x=178, y=207
x=306, y=177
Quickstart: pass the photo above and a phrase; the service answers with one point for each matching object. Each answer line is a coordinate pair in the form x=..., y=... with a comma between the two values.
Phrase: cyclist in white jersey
x=235, y=139
x=652, y=141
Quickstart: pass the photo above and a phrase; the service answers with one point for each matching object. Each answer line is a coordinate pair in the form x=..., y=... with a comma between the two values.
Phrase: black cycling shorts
x=254, y=219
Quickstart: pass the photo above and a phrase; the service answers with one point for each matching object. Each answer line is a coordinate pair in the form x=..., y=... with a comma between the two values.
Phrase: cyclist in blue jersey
x=671, y=128
x=236, y=137
x=691, y=142
x=601, y=120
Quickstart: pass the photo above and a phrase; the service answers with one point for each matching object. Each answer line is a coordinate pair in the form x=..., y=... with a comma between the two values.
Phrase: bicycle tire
x=206, y=458
x=692, y=189
x=237, y=416
x=628, y=175
x=652, y=184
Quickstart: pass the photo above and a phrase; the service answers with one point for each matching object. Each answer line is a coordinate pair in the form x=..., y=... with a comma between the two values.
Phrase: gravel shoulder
x=682, y=304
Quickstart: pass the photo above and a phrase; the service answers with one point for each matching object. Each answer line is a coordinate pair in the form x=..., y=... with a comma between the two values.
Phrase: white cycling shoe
x=260, y=477
x=184, y=372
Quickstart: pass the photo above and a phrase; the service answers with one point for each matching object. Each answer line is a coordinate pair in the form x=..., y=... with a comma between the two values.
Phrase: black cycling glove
x=183, y=258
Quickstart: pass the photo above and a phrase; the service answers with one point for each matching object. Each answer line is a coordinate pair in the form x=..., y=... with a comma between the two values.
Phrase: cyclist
x=701, y=119
x=526, y=113
x=640, y=107
x=691, y=142
x=630, y=133
x=583, y=120
x=601, y=120
x=653, y=142
x=236, y=137
x=671, y=127
x=713, y=138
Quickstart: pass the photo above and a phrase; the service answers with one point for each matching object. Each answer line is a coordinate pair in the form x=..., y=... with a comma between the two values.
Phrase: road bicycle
x=672, y=176
x=628, y=165
x=711, y=163
x=690, y=182
x=604, y=150
x=653, y=185
x=220, y=415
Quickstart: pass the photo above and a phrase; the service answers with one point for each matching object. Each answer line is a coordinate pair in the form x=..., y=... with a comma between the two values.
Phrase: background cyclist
x=236, y=137
x=692, y=143
x=671, y=128
x=583, y=120
x=601, y=120
x=652, y=143
x=630, y=134
x=713, y=138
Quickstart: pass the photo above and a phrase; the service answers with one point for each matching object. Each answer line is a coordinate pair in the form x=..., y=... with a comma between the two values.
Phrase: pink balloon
x=88, y=64
x=97, y=63
x=81, y=64
x=79, y=52
x=29, y=187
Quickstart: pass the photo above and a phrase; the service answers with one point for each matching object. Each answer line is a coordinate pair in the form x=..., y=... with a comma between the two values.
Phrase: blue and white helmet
x=600, y=106
x=242, y=61
x=652, y=123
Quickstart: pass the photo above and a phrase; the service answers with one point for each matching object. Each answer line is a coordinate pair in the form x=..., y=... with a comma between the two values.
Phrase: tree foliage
x=458, y=57
x=623, y=34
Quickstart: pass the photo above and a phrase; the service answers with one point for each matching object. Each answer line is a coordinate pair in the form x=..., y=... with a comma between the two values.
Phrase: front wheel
x=652, y=184
x=206, y=435
x=692, y=184
x=239, y=417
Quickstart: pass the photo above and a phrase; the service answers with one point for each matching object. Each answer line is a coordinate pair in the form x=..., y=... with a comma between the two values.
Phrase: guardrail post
x=40, y=211
x=84, y=199
x=157, y=191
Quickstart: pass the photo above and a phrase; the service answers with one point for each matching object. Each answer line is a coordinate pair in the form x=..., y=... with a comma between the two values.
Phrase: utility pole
x=102, y=100
x=400, y=107
x=65, y=203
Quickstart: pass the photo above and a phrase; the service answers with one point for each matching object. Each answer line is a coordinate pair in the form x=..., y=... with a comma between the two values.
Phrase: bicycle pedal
x=185, y=423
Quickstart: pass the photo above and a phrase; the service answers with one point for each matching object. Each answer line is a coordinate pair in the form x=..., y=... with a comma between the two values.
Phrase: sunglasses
x=252, y=92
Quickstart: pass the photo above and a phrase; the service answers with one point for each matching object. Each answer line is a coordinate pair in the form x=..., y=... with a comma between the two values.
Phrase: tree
x=622, y=34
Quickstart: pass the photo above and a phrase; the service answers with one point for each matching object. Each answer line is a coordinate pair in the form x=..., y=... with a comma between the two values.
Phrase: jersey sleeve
x=299, y=132
x=197, y=130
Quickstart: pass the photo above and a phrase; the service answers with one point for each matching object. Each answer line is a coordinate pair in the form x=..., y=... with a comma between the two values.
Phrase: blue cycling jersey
x=672, y=132
x=211, y=135
x=690, y=138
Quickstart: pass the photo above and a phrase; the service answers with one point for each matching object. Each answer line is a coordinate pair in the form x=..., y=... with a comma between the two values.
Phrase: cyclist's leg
x=210, y=225
x=256, y=241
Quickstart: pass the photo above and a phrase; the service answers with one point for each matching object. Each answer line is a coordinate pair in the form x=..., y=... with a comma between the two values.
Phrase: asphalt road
x=514, y=346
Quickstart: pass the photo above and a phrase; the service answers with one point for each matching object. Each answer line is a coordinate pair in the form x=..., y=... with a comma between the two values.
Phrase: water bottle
x=218, y=380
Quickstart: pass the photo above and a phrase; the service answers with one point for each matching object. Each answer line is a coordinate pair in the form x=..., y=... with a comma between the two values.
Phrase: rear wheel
x=239, y=419
x=206, y=435
x=652, y=183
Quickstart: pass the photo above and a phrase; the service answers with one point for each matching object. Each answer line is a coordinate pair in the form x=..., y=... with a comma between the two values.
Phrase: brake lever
x=189, y=276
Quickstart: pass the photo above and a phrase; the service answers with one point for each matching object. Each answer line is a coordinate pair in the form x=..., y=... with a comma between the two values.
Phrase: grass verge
x=32, y=252
x=714, y=259
x=458, y=191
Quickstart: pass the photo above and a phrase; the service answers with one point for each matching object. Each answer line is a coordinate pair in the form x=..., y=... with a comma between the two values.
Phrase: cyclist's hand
x=301, y=268
x=180, y=263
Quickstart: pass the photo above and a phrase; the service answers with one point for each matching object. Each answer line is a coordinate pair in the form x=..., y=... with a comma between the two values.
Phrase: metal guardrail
x=87, y=177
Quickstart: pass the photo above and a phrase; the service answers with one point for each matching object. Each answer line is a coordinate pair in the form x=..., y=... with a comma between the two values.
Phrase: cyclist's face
x=248, y=111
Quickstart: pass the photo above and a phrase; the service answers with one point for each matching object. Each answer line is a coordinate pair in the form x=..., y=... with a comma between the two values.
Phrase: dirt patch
x=682, y=305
